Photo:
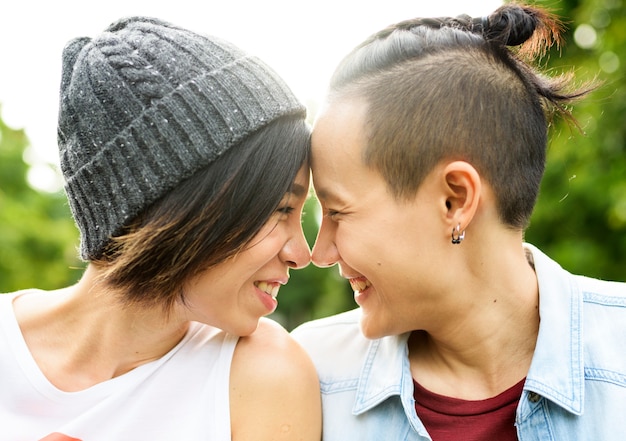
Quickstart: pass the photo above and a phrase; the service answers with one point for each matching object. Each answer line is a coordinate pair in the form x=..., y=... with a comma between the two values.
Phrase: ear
x=463, y=189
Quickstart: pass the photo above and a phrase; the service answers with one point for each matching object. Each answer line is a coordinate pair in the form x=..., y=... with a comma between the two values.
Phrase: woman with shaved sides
x=427, y=159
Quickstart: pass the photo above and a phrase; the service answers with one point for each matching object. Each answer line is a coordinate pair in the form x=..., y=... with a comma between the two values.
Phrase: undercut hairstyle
x=460, y=89
x=207, y=219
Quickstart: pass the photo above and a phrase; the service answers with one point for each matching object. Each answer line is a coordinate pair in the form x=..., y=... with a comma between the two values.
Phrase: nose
x=296, y=252
x=325, y=252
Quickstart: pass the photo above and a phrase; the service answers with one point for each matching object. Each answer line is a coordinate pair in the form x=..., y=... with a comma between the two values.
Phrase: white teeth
x=274, y=292
x=269, y=288
x=359, y=284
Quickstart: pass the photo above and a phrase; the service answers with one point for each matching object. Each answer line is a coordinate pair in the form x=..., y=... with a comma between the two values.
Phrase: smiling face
x=234, y=294
x=388, y=248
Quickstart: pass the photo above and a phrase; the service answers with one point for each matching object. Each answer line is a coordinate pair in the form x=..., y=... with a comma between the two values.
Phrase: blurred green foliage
x=37, y=235
x=580, y=219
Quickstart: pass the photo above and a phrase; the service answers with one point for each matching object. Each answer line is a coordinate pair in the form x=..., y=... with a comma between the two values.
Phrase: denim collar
x=383, y=373
x=557, y=368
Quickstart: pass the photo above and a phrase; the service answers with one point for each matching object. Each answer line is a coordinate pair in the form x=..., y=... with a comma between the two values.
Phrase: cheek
x=361, y=239
x=269, y=244
x=357, y=249
x=221, y=280
x=204, y=287
x=347, y=243
x=261, y=251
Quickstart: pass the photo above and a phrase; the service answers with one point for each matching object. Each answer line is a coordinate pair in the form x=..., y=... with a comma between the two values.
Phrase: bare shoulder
x=271, y=344
x=274, y=389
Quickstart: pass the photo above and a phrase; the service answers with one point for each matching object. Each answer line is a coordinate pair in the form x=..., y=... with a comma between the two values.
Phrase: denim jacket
x=575, y=388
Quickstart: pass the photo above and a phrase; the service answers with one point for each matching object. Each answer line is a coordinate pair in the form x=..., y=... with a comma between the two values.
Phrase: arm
x=274, y=390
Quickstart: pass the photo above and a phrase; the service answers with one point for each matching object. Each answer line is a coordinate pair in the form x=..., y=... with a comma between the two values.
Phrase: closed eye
x=285, y=210
x=332, y=214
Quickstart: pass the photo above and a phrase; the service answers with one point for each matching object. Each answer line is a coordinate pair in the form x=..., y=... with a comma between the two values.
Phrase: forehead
x=300, y=186
x=337, y=144
x=340, y=119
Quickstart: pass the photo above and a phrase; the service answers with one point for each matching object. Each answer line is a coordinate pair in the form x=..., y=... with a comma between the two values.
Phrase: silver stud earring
x=457, y=235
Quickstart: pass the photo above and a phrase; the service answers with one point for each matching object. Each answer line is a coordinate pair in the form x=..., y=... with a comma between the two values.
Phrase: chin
x=371, y=329
x=242, y=329
x=247, y=331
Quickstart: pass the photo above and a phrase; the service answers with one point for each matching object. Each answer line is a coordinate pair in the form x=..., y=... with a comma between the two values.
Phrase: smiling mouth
x=360, y=284
x=268, y=288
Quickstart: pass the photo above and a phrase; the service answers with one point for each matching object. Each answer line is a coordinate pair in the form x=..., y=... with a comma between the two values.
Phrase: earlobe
x=463, y=189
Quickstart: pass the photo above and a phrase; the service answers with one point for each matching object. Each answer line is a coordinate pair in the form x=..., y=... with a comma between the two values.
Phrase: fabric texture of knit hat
x=144, y=106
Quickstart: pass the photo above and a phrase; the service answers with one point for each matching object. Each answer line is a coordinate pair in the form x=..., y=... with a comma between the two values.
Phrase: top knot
x=514, y=25
x=511, y=25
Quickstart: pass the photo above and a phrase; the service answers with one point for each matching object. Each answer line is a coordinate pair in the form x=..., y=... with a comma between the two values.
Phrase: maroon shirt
x=451, y=419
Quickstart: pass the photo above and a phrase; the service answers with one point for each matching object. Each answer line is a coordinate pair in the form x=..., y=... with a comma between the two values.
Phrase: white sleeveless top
x=182, y=396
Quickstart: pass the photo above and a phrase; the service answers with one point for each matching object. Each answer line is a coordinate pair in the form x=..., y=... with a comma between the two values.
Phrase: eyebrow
x=327, y=195
x=321, y=194
x=298, y=190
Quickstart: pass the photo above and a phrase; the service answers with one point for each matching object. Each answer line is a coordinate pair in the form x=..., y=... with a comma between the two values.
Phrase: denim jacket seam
x=606, y=376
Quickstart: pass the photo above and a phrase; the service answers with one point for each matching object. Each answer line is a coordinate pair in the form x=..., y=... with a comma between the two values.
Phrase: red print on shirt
x=58, y=437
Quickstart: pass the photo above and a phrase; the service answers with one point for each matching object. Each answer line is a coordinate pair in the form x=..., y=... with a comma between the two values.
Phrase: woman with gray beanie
x=186, y=169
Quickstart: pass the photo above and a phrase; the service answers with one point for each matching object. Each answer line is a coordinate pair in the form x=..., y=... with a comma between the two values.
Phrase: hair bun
x=511, y=25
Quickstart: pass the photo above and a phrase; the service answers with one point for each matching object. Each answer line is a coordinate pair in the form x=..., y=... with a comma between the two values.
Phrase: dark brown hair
x=455, y=88
x=207, y=218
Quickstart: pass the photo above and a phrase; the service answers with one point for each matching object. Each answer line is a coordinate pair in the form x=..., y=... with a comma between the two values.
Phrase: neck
x=83, y=335
x=486, y=341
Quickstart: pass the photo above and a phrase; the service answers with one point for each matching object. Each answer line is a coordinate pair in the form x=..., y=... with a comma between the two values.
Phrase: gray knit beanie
x=145, y=105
